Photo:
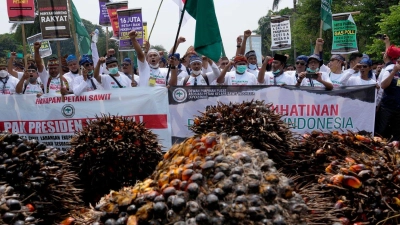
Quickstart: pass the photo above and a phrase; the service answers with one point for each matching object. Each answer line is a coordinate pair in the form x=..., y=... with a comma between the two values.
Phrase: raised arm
x=238, y=44
x=246, y=34
x=20, y=86
x=140, y=55
x=38, y=60
x=261, y=73
x=10, y=65
x=179, y=41
x=388, y=79
x=319, y=44
x=173, y=81
x=96, y=73
x=221, y=78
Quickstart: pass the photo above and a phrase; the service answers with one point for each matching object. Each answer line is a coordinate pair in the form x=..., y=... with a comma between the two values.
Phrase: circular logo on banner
x=68, y=111
x=179, y=94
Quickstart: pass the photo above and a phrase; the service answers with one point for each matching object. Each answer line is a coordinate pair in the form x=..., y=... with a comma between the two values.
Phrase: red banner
x=112, y=8
x=21, y=11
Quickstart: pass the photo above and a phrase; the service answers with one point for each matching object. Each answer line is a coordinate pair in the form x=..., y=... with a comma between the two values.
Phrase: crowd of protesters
x=90, y=73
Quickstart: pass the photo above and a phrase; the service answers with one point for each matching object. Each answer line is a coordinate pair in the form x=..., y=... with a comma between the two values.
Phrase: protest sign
x=21, y=11
x=104, y=19
x=53, y=122
x=45, y=49
x=129, y=19
x=54, y=19
x=112, y=8
x=344, y=34
x=305, y=108
x=281, y=37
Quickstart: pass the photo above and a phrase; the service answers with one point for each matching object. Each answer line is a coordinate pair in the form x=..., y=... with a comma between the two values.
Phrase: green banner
x=326, y=14
x=344, y=35
x=84, y=39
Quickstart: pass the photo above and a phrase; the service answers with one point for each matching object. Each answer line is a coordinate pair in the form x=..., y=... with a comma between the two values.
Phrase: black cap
x=280, y=58
x=110, y=60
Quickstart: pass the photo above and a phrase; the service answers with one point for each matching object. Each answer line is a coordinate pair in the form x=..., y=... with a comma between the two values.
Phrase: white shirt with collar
x=8, y=85
x=81, y=86
x=283, y=79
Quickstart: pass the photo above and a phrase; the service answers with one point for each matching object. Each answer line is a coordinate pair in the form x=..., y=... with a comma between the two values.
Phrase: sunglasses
x=88, y=64
x=31, y=71
x=301, y=63
x=365, y=66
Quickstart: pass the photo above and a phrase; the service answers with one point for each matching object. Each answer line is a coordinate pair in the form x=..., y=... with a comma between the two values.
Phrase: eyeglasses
x=301, y=63
x=31, y=71
x=126, y=64
x=365, y=66
x=88, y=64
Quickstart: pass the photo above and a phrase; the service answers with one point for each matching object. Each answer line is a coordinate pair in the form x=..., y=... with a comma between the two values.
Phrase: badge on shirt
x=152, y=81
x=398, y=82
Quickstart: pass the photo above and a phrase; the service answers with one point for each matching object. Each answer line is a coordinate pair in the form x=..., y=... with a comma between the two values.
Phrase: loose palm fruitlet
x=255, y=121
x=112, y=152
x=12, y=210
x=210, y=179
x=39, y=177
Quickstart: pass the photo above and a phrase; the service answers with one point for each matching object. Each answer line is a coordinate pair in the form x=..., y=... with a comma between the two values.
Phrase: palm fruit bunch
x=255, y=121
x=39, y=177
x=12, y=211
x=112, y=152
x=209, y=179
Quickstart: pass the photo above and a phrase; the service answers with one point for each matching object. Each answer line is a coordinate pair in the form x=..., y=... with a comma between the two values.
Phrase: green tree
x=8, y=44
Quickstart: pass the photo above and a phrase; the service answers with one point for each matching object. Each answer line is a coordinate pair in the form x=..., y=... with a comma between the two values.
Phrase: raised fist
x=247, y=33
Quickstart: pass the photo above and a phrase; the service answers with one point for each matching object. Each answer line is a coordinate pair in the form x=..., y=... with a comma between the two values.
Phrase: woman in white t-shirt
x=365, y=67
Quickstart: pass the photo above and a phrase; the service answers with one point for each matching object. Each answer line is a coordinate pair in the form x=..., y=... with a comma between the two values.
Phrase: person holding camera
x=86, y=82
x=312, y=76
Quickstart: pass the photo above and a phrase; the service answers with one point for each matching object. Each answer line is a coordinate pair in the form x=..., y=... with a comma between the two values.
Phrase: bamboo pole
x=60, y=70
x=106, y=39
x=73, y=29
x=320, y=28
x=24, y=46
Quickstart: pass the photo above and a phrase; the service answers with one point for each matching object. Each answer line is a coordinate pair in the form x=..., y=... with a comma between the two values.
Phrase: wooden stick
x=73, y=30
x=24, y=46
x=106, y=39
x=155, y=20
x=352, y=13
x=60, y=70
x=320, y=28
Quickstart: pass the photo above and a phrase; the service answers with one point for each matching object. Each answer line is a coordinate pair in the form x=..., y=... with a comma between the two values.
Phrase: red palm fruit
x=357, y=168
x=337, y=179
x=186, y=174
x=351, y=181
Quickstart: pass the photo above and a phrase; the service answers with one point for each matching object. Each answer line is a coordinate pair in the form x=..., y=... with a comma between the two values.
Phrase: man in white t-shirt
x=365, y=69
x=252, y=60
x=321, y=79
x=51, y=78
x=238, y=77
x=8, y=83
x=86, y=82
x=277, y=76
x=113, y=79
x=28, y=83
x=196, y=77
x=127, y=70
x=181, y=71
x=149, y=69
x=73, y=73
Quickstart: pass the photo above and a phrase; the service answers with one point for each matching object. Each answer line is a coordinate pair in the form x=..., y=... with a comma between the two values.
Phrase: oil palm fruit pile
x=209, y=179
x=112, y=152
x=255, y=121
x=365, y=185
x=35, y=182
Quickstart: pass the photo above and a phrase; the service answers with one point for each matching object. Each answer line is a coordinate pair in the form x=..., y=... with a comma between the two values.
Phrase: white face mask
x=3, y=73
x=196, y=72
x=154, y=67
x=252, y=66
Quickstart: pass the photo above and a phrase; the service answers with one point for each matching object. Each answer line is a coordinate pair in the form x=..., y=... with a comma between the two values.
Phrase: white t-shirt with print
x=9, y=85
x=33, y=89
x=55, y=84
x=315, y=83
x=135, y=77
x=341, y=79
x=109, y=83
x=147, y=73
x=232, y=78
x=283, y=79
x=70, y=78
x=353, y=81
x=254, y=72
x=81, y=86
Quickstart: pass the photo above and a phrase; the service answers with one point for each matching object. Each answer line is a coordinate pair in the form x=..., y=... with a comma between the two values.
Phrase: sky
x=234, y=17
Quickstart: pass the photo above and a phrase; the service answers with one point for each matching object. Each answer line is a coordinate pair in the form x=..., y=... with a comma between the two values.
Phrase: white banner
x=53, y=122
x=306, y=108
x=281, y=37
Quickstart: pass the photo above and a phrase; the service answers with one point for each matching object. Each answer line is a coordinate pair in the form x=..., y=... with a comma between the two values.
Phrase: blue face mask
x=113, y=70
x=276, y=72
x=312, y=71
x=252, y=66
x=241, y=69
x=90, y=73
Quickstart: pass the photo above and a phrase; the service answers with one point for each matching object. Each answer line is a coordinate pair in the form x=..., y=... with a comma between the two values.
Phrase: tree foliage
x=377, y=16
